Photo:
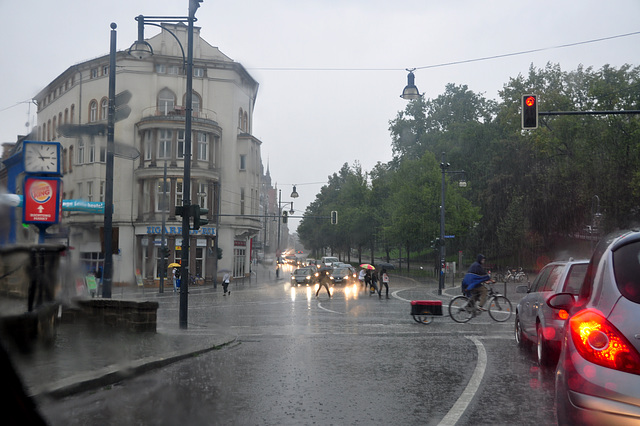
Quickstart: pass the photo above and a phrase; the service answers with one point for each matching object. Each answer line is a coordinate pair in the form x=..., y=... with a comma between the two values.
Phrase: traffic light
x=334, y=217
x=285, y=216
x=179, y=210
x=529, y=112
x=166, y=251
x=199, y=216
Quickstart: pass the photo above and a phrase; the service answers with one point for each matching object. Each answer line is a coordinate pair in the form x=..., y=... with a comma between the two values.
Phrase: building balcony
x=178, y=113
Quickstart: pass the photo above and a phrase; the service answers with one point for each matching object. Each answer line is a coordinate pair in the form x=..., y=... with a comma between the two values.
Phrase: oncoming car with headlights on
x=343, y=276
x=304, y=276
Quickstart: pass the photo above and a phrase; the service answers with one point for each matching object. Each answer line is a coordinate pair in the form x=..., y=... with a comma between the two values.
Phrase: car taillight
x=562, y=314
x=599, y=342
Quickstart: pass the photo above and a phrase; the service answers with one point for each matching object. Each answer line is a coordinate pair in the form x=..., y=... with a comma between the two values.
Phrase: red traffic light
x=529, y=112
x=530, y=101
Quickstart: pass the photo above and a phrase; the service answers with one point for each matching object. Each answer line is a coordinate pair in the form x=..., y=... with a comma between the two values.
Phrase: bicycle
x=514, y=275
x=463, y=308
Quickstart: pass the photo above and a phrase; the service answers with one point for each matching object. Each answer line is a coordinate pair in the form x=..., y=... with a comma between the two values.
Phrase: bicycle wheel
x=423, y=319
x=461, y=309
x=500, y=308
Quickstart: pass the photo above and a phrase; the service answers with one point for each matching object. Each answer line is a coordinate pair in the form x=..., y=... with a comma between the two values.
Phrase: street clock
x=41, y=157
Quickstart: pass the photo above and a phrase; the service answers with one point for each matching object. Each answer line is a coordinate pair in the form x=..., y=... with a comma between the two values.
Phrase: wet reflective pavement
x=353, y=359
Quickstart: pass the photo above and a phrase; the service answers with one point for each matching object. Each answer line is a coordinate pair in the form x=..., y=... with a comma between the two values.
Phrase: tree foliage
x=525, y=188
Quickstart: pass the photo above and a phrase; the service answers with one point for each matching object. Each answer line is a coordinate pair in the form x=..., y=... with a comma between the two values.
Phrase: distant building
x=226, y=166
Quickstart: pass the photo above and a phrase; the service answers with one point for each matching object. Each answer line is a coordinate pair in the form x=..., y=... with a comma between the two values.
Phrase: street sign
x=42, y=201
x=449, y=236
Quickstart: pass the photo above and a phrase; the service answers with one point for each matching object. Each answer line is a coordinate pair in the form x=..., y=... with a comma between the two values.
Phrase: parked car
x=303, y=276
x=538, y=323
x=598, y=373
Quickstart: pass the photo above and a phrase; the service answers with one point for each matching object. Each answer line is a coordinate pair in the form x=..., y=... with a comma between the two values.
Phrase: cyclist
x=473, y=279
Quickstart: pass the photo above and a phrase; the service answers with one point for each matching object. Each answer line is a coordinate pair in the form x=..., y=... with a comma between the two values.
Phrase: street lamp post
x=107, y=273
x=294, y=194
x=142, y=49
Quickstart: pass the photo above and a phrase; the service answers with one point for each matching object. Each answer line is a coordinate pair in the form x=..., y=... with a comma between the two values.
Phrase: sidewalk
x=85, y=357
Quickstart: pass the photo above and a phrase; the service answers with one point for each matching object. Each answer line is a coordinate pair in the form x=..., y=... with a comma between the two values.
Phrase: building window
x=162, y=194
x=166, y=101
x=71, y=158
x=178, y=192
x=164, y=143
x=198, y=72
x=199, y=261
x=245, y=122
x=101, y=195
x=241, y=200
x=202, y=195
x=147, y=145
x=146, y=196
x=161, y=69
x=105, y=70
x=104, y=109
x=243, y=162
x=80, y=190
x=93, y=111
x=91, y=262
x=92, y=151
x=240, y=119
x=90, y=191
x=80, y=152
x=174, y=69
x=73, y=113
x=203, y=147
x=103, y=153
x=180, y=145
x=94, y=73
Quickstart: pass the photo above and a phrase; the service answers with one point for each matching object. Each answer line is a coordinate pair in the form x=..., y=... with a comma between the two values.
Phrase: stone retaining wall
x=123, y=314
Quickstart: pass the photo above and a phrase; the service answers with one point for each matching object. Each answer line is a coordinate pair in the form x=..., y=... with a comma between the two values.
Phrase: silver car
x=302, y=276
x=535, y=321
x=598, y=373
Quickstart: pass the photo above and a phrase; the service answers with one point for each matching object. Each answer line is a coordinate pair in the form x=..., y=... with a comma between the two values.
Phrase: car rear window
x=626, y=268
x=575, y=278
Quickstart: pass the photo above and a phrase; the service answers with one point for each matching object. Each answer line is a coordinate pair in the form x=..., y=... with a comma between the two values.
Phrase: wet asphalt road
x=345, y=361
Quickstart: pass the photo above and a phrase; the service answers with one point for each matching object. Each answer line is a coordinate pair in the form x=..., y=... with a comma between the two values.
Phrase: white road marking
x=469, y=392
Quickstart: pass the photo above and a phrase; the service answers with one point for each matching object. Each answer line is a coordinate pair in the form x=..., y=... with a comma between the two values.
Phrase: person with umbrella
x=176, y=277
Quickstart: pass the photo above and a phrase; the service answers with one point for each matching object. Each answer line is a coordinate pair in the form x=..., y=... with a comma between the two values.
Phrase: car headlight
x=308, y=277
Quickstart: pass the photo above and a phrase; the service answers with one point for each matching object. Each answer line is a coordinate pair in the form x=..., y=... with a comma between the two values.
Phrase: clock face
x=41, y=157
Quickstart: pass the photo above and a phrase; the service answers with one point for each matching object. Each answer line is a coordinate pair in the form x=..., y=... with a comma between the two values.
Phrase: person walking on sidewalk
x=225, y=283
x=361, y=275
x=384, y=280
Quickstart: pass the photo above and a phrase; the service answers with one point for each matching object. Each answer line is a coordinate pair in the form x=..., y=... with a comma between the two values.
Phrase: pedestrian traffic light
x=285, y=216
x=334, y=217
x=199, y=216
x=529, y=112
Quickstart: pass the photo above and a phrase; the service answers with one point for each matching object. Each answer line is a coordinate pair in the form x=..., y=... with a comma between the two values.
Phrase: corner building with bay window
x=226, y=165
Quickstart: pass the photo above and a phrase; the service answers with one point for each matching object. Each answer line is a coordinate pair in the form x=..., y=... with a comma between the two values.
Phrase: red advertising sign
x=42, y=200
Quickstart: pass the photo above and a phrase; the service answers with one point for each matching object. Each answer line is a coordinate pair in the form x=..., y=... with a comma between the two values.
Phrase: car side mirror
x=522, y=289
x=564, y=301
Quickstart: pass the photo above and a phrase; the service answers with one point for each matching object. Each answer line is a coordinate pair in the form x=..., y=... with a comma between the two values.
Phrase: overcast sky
x=330, y=71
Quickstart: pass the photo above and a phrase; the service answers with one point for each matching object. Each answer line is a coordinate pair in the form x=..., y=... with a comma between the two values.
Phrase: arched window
x=66, y=115
x=93, y=111
x=240, y=114
x=73, y=113
x=166, y=101
x=53, y=128
x=245, y=122
x=104, y=109
x=196, y=104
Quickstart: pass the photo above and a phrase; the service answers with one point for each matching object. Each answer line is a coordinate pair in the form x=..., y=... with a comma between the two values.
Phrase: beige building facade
x=226, y=166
